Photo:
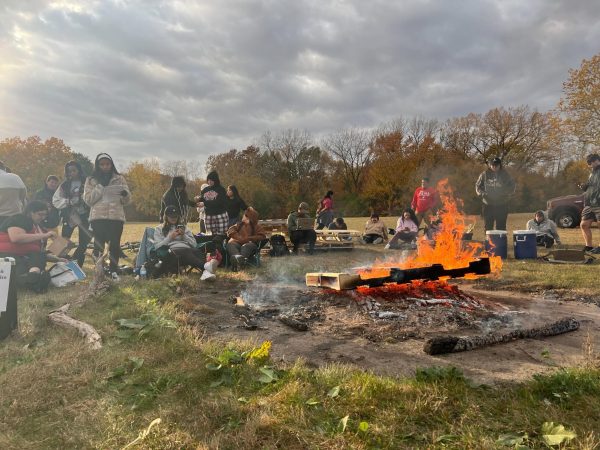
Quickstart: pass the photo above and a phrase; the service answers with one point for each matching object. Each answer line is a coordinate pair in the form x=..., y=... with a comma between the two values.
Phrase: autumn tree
x=581, y=102
x=147, y=185
x=519, y=136
x=33, y=159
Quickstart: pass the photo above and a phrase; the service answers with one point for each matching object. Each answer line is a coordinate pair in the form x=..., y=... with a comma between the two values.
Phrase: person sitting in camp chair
x=245, y=238
x=174, y=237
x=545, y=229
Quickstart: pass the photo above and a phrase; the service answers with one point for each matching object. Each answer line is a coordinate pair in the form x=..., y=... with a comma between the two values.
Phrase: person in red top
x=425, y=201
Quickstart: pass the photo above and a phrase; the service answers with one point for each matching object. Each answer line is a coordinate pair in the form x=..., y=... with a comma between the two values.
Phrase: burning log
x=452, y=344
x=341, y=281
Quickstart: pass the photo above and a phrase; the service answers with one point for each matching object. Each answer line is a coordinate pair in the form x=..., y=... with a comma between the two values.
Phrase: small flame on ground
x=448, y=248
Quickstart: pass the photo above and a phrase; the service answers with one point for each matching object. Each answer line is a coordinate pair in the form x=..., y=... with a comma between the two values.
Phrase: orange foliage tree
x=33, y=159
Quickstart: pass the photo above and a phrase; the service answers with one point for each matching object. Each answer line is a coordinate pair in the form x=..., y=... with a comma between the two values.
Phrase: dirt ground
x=385, y=331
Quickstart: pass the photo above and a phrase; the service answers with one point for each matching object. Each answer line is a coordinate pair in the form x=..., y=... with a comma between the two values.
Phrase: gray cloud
x=184, y=79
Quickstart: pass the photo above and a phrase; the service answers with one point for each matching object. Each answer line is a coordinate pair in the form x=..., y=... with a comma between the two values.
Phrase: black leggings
x=108, y=231
x=84, y=238
x=190, y=257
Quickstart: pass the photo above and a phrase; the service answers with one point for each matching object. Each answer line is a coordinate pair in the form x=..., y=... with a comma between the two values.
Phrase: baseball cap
x=171, y=211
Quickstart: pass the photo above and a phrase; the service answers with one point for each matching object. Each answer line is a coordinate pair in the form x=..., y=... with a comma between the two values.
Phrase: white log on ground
x=60, y=318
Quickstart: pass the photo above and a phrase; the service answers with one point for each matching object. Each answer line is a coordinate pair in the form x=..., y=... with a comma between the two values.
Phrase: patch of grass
x=57, y=393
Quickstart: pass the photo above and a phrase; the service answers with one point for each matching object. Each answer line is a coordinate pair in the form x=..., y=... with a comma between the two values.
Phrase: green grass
x=57, y=393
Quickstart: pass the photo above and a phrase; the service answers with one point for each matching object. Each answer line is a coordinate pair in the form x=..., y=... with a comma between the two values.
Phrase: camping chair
x=254, y=260
x=159, y=261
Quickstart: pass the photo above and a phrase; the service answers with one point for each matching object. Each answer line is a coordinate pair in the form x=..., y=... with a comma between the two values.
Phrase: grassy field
x=57, y=393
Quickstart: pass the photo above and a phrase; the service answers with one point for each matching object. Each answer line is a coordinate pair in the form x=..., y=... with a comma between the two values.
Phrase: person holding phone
x=106, y=193
x=175, y=235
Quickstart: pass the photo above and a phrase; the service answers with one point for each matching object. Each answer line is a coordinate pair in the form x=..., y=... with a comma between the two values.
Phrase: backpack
x=278, y=245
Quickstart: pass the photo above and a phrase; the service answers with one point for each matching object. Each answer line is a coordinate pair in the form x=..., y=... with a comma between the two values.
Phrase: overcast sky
x=186, y=79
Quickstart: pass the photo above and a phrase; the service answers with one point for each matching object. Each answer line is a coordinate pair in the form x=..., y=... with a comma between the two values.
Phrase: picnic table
x=326, y=239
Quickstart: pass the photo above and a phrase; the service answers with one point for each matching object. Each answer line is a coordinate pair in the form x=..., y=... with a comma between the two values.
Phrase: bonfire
x=448, y=256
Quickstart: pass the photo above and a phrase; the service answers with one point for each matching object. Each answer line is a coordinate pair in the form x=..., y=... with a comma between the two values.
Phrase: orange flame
x=448, y=248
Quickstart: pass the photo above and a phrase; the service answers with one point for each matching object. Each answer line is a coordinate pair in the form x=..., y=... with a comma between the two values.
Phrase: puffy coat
x=106, y=202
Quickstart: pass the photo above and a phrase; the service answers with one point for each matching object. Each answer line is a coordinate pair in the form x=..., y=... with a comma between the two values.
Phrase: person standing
x=235, y=204
x=495, y=186
x=425, y=201
x=68, y=199
x=106, y=193
x=591, y=200
x=45, y=195
x=325, y=211
x=176, y=196
x=214, y=199
x=13, y=193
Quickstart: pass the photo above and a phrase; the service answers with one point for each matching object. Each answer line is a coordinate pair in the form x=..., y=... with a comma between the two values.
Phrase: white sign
x=5, y=268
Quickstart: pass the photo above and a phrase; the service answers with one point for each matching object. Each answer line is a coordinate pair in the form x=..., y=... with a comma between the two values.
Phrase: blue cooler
x=496, y=243
x=525, y=244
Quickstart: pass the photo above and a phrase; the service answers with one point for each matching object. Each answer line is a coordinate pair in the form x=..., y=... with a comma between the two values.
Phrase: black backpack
x=278, y=245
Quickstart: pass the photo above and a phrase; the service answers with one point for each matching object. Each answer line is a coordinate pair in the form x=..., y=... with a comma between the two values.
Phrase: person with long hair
x=406, y=229
x=325, y=211
x=235, y=204
x=177, y=196
x=68, y=199
x=178, y=238
x=45, y=195
x=244, y=238
x=106, y=193
x=214, y=200
x=23, y=237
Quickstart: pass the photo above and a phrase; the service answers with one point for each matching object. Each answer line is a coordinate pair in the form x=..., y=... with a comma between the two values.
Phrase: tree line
x=372, y=169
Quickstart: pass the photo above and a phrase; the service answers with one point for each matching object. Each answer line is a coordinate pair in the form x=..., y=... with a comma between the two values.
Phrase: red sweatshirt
x=424, y=199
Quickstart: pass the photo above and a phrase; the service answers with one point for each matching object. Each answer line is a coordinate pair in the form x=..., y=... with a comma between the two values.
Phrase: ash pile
x=389, y=313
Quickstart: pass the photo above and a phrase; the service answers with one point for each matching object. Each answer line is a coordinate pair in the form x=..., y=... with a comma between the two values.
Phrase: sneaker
x=207, y=276
x=595, y=251
x=587, y=248
x=211, y=266
x=379, y=240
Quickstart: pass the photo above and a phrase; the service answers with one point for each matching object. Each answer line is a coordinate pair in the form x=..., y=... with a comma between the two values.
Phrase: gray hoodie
x=545, y=227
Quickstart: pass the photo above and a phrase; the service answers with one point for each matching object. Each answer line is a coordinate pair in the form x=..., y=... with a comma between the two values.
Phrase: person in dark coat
x=235, y=204
x=495, y=187
x=176, y=196
x=45, y=195
x=68, y=199
x=214, y=199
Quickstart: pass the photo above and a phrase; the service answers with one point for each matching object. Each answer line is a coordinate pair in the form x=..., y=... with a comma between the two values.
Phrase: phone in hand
x=181, y=228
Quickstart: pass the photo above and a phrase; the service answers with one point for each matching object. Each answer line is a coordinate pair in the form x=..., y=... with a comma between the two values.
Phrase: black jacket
x=234, y=206
x=495, y=188
x=179, y=200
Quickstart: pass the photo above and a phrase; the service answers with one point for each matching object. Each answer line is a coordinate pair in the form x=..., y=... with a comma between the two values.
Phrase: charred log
x=452, y=344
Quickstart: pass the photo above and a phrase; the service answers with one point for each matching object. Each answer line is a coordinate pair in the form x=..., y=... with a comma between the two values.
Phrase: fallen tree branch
x=60, y=318
x=98, y=286
x=452, y=344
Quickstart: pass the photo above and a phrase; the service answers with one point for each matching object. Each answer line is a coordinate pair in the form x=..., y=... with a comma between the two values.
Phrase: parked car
x=566, y=210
